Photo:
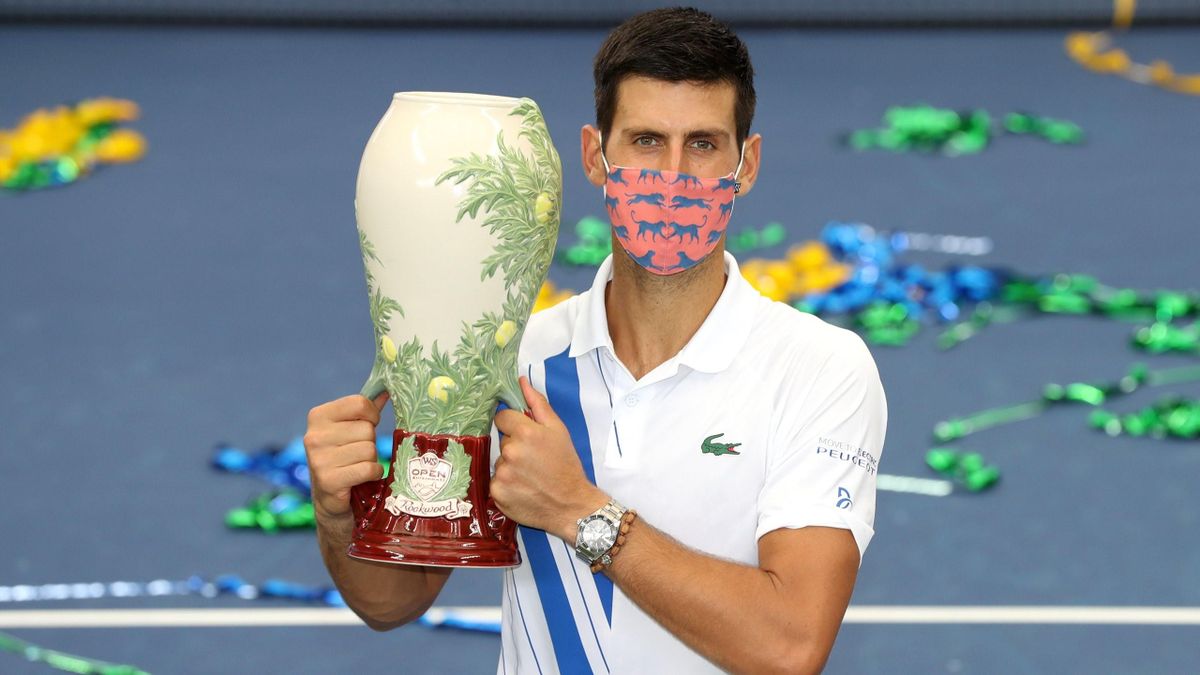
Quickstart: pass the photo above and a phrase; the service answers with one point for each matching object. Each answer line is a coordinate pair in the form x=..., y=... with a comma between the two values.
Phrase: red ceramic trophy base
x=483, y=538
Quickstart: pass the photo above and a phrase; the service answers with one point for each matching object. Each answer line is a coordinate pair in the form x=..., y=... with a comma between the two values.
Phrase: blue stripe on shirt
x=562, y=391
x=568, y=648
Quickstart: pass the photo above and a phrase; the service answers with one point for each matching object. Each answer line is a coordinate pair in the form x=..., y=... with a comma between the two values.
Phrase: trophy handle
x=364, y=496
x=513, y=399
x=376, y=382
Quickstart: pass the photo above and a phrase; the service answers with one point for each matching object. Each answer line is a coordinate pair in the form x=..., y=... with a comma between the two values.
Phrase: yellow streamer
x=1123, y=13
x=549, y=295
x=48, y=134
x=809, y=267
x=1095, y=52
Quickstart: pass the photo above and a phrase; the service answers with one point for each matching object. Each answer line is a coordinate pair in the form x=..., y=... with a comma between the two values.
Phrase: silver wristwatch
x=598, y=532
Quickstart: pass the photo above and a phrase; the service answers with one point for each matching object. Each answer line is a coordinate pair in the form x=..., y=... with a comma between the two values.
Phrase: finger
x=381, y=400
x=353, y=407
x=349, y=476
x=345, y=433
x=365, y=409
x=362, y=451
x=344, y=455
x=510, y=449
x=510, y=422
x=538, y=405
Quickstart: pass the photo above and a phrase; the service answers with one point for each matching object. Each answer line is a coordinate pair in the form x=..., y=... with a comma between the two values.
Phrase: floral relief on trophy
x=444, y=391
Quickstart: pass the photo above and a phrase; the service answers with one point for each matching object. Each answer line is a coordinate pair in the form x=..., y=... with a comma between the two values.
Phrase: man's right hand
x=340, y=443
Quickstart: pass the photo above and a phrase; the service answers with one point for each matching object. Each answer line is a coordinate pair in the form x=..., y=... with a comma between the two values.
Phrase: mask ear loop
x=737, y=184
x=607, y=170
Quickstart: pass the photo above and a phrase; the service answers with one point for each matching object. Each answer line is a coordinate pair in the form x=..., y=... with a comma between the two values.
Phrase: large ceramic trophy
x=457, y=205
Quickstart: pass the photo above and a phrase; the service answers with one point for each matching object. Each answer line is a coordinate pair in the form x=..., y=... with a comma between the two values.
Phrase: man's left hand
x=538, y=480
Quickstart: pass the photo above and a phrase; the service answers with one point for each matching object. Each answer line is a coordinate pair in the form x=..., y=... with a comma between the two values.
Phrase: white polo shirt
x=767, y=418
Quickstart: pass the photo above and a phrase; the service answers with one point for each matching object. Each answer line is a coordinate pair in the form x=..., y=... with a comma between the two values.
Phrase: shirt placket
x=632, y=410
x=625, y=430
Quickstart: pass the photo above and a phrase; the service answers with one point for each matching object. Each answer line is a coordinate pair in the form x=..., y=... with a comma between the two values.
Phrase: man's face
x=676, y=126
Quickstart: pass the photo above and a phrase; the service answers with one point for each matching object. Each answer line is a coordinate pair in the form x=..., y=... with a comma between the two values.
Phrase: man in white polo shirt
x=696, y=486
x=768, y=418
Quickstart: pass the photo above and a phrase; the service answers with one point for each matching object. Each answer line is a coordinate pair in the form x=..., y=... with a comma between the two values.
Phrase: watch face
x=597, y=535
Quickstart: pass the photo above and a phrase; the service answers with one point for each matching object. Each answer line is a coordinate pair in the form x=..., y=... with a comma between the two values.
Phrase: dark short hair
x=678, y=44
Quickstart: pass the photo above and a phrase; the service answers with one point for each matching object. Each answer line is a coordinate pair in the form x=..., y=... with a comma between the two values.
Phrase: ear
x=750, y=163
x=593, y=165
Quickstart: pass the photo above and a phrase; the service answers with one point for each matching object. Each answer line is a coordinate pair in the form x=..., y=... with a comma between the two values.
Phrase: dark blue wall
x=555, y=12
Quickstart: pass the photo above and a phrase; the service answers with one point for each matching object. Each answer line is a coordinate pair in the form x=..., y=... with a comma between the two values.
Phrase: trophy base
x=431, y=552
x=402, y=529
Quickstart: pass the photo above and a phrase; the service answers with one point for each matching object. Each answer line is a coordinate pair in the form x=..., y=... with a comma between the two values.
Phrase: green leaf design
x=368, y=254
x=460, y=473
x=368, y=249
x=407, y=450
x=382, y=308
x=505, y=189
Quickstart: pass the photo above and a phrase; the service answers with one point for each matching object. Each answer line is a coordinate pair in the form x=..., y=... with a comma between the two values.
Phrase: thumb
x=538, y=405
x=382, y=399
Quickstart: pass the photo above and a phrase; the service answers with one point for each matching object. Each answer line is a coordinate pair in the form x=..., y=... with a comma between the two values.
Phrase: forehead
x=647, y=103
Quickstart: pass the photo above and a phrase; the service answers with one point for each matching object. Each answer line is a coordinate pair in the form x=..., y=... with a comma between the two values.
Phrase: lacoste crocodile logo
x=711, y=447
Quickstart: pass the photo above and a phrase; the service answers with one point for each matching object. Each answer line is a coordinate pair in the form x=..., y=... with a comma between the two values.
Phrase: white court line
x=865, y=614
x=1032, y=614
x=930, y=487
x=164, y=618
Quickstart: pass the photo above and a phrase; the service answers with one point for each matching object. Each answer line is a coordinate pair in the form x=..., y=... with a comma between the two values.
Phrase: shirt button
x=631, y=400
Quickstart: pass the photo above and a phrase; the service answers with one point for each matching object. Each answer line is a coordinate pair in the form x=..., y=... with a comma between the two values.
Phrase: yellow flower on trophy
x=505, y=333
x=439, y=388
x=543, y=208
x=389, y=348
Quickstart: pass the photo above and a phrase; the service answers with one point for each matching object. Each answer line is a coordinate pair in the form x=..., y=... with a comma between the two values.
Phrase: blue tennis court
x=213, y=292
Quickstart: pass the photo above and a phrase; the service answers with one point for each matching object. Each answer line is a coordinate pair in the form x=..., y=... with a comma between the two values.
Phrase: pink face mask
x=668, y=221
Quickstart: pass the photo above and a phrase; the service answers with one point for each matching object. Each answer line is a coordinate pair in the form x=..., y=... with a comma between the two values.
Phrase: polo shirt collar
x=710, y=350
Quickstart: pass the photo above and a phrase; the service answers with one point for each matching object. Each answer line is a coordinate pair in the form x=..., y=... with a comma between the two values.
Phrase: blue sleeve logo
x=844, y=501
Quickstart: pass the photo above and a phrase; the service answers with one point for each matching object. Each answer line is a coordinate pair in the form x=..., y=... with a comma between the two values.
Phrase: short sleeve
x=825, y=456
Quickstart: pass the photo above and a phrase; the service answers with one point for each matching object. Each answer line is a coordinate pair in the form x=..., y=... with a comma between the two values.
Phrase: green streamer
x=63, y=661
x=923, y=128
x=1055, y=394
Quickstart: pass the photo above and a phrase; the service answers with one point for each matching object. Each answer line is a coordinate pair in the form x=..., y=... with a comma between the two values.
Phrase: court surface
x=213, y=292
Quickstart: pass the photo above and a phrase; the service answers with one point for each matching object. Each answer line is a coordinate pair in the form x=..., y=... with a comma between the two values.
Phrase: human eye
x=645, y=141
x=703, y=144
